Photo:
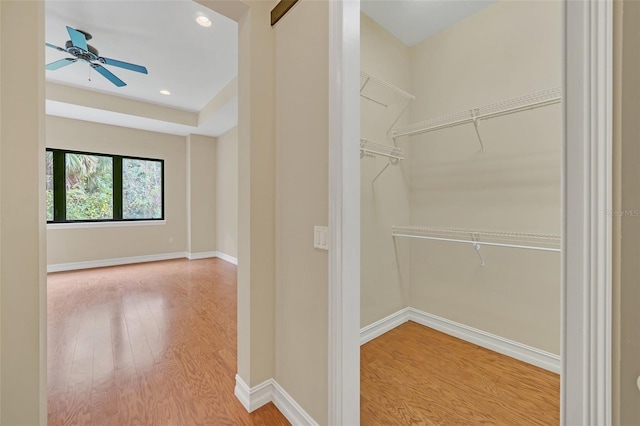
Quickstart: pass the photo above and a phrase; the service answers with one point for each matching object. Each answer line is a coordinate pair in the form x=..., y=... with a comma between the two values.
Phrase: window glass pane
x=49, y=183
x=89, y=183
x=141, y=189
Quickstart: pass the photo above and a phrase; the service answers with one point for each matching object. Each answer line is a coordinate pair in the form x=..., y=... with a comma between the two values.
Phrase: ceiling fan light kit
x=82, y=51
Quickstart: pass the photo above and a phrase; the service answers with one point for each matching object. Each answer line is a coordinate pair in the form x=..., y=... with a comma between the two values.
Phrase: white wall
x=384, y=272
x=227, y=193
x=506, y=50
x=301, y=202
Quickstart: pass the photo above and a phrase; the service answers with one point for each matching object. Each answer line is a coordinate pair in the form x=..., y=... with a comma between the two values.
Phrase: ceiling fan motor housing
x=91, y=54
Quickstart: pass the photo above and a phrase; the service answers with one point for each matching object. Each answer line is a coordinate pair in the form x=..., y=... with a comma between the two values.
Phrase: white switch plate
x=320, y=237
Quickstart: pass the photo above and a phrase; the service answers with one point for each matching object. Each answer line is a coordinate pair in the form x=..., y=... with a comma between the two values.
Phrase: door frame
x=585, y=390
x=344, y=213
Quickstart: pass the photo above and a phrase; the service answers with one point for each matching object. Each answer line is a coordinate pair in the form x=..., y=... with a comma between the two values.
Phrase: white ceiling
x=193, y=62
x=413, y=21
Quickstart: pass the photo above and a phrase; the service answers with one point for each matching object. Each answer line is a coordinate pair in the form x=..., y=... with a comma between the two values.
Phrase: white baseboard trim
x=270, y=391
x=256, y=397
x=202, y=255
x=243, y=393
x=288, y=406
x=513, y=349
x=114, y=262
x=508, y=347
x=380, y=327
x=226, y=257
x=60, y=267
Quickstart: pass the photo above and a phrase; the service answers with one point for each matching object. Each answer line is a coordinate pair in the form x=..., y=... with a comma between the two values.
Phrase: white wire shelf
x=370, y=147
x=381, y=92
x=473, y=115
x=478, y=238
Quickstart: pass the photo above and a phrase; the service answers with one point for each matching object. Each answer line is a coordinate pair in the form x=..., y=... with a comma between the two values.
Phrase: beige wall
x=201, y=194
x=384, y=272
x=86, y=244
x=506, y=50
x=190, y=194
x=256, y=194
x=22, y=229
x=302, y=202
x=1, y=215
x=227, y=193
x=627, y=312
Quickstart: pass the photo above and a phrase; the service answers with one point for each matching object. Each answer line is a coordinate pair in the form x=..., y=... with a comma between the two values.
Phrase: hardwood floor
x=155, y=343
x=146, y=344
x=416, y=375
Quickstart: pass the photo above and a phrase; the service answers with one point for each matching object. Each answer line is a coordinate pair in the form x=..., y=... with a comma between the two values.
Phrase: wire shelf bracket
x=475, y=115
x=527, y=241
x=393, y=153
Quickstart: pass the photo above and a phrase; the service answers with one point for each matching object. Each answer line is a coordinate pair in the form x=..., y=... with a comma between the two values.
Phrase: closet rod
x=478, y=243
x=509, y=106
x=542, y=242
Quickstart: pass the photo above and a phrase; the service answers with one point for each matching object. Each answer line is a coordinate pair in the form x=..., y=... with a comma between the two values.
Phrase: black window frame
x=60, y=189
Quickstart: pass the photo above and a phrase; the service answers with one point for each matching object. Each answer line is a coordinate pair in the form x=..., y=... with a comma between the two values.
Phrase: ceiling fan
x=79, y=48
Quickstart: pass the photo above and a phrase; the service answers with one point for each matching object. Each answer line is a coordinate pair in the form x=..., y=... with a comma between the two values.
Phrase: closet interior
x=461, y=163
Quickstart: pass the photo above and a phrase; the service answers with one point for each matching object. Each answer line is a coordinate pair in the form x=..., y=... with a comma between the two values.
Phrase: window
x=49, y=184
x=92, y=187
x=89, y=187
x=141, y=189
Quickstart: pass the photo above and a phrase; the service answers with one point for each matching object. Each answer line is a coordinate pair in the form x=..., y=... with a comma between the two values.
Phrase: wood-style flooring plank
x=416, y=375
x=147, y=344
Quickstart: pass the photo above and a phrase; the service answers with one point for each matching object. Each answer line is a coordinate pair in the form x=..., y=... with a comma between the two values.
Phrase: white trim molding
x=256, y=397
x=383, y=325
x=511, y=348
x=344, y=214
x=202, y=255
x=587, y=194
x=227, y=258
x=114, y=262
x=290, y=408
x=106, y=224
x=496, y=343
x=138, y=259
x=270, y=391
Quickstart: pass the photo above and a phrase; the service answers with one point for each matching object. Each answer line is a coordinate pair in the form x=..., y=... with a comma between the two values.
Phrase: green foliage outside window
x=49, y=184
x=141, y=189
x=90, y=187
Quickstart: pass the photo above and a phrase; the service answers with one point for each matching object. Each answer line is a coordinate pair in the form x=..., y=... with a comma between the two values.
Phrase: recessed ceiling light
x=203, y=21
x=165, y=92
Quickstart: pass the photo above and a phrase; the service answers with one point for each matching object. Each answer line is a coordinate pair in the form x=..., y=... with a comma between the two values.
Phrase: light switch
x=320, y=237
